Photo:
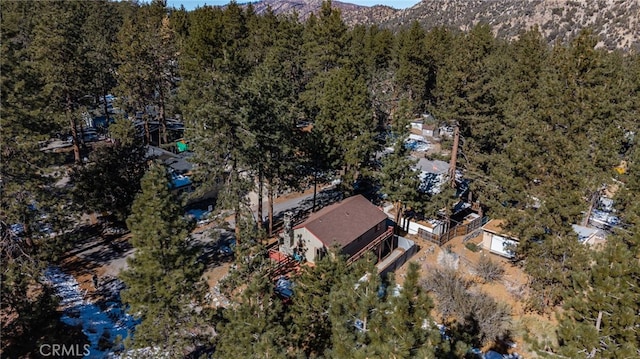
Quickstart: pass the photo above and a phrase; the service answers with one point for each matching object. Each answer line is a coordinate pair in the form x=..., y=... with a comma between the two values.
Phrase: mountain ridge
x=615, y=22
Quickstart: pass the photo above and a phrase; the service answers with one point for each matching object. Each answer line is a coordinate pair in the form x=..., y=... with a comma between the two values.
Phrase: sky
x=192, y=4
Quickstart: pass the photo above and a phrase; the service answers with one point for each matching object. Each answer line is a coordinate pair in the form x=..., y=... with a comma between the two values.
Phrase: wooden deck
x=385, y=238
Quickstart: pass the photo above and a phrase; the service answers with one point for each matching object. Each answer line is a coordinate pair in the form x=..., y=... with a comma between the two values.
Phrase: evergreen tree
x=308, y=316
x=325, y=40
x=354, y=310
x=345, y=122
x=601, y=316
x=271, y=98
x=251, y=260
x=163, y=280
x=147, y=70
x=253, y=324
x=379, y=49
x=60, y=57
x=111, y=181
x=215, y=109
x=407, y=330
x=399, y=180
x=253, y=327
x=28, y=199
x=627, y=198
x=414, y=66
x=368, y=320
x=100, y=29
x=324, y=49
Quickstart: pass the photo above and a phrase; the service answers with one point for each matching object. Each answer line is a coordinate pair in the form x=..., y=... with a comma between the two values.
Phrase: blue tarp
x=197, y=214
x=178, y=181
x=493, y=355
x=284, y=287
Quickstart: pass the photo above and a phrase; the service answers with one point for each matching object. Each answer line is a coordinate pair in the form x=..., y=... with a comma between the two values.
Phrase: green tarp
x=182, y=146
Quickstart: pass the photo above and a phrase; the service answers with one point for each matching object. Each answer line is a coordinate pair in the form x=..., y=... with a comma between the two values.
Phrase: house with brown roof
x=355, y=226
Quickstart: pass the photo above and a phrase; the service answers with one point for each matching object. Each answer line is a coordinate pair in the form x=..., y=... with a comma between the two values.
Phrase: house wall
x=416, y=125
x=486, y=240
x=309, y=242
x=312, y=244
x=365, y=239
x=413, y=227
x=430, y=132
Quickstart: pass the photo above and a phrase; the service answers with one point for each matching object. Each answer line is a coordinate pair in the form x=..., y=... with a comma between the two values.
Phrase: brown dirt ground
x=213, y=275
x=292, y=195
x=83, y=270
x=524, y=323
x=540, y=327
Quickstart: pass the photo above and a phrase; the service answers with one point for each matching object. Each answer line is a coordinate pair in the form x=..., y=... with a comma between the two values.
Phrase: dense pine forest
x=270, y=104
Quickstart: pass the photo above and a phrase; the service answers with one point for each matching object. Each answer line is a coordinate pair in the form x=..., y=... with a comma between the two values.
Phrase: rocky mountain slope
x=616, y=22
x=303, y=8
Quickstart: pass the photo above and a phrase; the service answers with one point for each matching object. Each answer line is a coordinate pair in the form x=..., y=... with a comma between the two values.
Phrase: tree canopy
x=270, y=104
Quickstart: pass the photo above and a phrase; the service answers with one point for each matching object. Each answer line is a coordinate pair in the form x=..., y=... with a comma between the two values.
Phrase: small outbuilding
x=497, y=240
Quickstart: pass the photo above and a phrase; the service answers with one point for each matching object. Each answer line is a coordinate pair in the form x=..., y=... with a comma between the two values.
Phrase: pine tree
x=308, y=317
x=253, y=327
x=100, y=29
x=147, y=70
x=379, y=49
x=163, y=280
x=324, y=49
x=399, y=181
x=23, y=107
x=355, y=309
x=111, y=180
x=407, y=330
x=601, y=316
x=325, y=40
x=345, y=122
x=27, y=195
x=271, y=98
x=251, y=260
x=414, y=66
x=60, y=58
x=553, y=265
x=215, y=108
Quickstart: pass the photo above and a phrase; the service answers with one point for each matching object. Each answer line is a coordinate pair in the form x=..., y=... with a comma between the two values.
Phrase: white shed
x=498, y=241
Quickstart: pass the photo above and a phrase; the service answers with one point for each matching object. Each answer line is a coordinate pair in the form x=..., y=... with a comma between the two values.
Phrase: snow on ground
x=106, y=323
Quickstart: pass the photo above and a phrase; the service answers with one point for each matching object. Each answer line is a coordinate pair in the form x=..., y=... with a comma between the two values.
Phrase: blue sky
x=192, y=4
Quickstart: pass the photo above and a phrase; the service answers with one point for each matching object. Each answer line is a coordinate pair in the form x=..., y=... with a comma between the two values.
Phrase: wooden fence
x=459, y=230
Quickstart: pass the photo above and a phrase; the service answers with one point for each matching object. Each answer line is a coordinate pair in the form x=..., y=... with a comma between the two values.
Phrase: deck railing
x=381, y=238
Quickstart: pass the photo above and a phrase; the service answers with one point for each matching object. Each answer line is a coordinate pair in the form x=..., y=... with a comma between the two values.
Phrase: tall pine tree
x=399, y=181
x=163, y=278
